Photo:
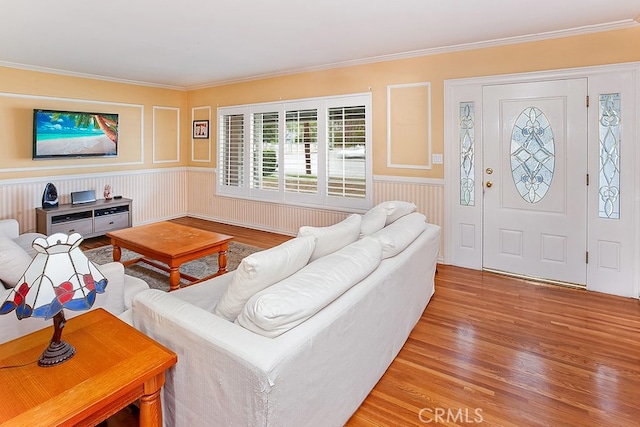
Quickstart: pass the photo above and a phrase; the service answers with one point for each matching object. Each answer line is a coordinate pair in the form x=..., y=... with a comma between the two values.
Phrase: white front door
x=535, y=179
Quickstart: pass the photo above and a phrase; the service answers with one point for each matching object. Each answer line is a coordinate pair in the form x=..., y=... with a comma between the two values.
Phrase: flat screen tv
x=61, y=134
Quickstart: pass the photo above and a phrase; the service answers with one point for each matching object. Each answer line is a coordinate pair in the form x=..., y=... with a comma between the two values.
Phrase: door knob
x=489, y=184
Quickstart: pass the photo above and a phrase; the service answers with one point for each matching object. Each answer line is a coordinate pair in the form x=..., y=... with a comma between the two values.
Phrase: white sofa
x=15, y=255
x=314, y=373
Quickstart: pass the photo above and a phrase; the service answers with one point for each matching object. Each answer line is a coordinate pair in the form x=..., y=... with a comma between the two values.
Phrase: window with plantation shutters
x=301, y=152
x=300, y=161
x=346, y=159
x=264, y=150
x=231, y=143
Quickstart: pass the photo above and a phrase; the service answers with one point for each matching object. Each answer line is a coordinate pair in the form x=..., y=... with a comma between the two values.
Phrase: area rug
x=159, y=279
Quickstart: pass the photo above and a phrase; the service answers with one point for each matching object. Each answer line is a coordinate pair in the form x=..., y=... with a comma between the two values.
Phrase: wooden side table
x=114, y=365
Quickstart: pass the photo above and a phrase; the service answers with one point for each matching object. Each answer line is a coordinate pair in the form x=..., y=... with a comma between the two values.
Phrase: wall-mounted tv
x=60, y=134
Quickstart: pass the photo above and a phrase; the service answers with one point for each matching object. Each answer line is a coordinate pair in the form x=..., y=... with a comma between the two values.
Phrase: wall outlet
x=437, y=159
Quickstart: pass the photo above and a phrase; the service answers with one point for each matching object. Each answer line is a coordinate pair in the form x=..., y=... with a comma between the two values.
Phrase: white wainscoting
x=157, y=194
x=428, y=195
x=165, y=193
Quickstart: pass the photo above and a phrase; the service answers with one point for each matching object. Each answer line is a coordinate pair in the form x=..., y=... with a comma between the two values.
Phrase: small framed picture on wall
x=201, y=129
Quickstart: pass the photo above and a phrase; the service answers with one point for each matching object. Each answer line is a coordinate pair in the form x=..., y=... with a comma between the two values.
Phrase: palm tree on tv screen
x=106, y=122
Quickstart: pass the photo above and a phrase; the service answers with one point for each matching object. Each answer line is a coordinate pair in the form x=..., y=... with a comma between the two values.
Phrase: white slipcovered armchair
x=16, y=253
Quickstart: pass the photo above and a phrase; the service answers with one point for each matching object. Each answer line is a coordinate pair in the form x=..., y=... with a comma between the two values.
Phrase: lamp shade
x=60, y=276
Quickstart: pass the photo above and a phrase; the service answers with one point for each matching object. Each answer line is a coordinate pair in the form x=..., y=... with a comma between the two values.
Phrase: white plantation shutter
x=300, y=168
x=264, y=151
x=231, y=143
x=346, y=162
x=311, y=152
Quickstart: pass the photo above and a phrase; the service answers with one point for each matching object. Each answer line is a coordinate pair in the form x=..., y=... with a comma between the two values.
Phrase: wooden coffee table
x=114, y=365
x=171, y=244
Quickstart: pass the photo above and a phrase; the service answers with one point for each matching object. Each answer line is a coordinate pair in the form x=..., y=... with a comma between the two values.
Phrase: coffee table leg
x=150, y=403
x=222, y=262
x=174, y=278
x=117, y=253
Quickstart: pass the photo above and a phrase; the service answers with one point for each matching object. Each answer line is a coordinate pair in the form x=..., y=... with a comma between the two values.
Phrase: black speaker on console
x=50, y=197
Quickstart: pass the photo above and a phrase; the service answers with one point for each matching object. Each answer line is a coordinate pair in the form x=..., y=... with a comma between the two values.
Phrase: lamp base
x=56, y=353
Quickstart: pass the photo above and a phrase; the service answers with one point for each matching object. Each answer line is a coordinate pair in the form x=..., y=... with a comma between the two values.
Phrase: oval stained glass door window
x=532, y=154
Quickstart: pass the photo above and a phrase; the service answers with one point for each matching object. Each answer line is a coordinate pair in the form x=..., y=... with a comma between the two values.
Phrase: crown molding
x=588, y=29
x=88, y=76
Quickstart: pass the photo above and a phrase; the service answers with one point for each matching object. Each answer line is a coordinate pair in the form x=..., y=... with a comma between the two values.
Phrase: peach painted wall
x=153, y=122
x=156, y=143
x=161, y=136
x=569, y=52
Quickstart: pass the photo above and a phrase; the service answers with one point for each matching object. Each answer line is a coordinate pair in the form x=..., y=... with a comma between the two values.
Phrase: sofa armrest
x=9, y=228
x=11, y=327
x=116, y=299
x=120, y=288
x=160, y=314
x=132, y=286
x=25, y=241
x=230, y=364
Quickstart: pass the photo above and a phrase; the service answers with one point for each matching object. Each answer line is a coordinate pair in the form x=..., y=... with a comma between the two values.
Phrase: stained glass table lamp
x=60, y=276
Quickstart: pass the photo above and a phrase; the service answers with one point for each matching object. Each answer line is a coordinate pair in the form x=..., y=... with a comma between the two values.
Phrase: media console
x=89, y=219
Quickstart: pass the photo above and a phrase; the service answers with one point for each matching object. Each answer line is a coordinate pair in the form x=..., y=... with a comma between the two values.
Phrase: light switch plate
x=437, y=159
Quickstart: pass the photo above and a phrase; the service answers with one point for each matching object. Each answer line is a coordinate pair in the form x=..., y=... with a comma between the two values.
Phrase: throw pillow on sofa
x=262, y=269
x=14, y=261
x=293, y=300
x=333, y=237
x=396, y=209
x=372, y=221
x=395, y=237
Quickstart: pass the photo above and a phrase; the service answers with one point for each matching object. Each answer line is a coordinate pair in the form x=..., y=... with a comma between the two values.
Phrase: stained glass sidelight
x=467, y=167
x=609, y=134
x=532, y=154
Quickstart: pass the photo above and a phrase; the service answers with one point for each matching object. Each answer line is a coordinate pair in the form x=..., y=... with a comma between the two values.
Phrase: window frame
x=319, y=199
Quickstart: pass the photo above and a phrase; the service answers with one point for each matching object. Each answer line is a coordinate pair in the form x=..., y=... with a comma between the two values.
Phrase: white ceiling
x=195, y=43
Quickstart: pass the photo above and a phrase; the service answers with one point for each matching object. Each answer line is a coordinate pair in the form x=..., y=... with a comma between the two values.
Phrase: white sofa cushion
x=333, y=237
x=372, y=221
x=395, y=237
x=293, y=300
x=396, y=209
x=14, y=261
x=262, y=269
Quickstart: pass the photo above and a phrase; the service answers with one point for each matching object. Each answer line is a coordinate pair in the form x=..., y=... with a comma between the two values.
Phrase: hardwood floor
x=510, y=352
x=500, y=351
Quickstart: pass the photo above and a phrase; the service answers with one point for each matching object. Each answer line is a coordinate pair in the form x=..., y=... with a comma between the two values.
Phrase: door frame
x=463, y=226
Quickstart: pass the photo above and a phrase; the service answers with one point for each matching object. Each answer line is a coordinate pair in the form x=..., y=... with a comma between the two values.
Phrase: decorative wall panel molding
x=409, y=125
x=201, y=148
x=166, y=133
x=18, y=108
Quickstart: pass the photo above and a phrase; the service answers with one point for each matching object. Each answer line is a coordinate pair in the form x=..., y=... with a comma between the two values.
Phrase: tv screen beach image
x=59, y=134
